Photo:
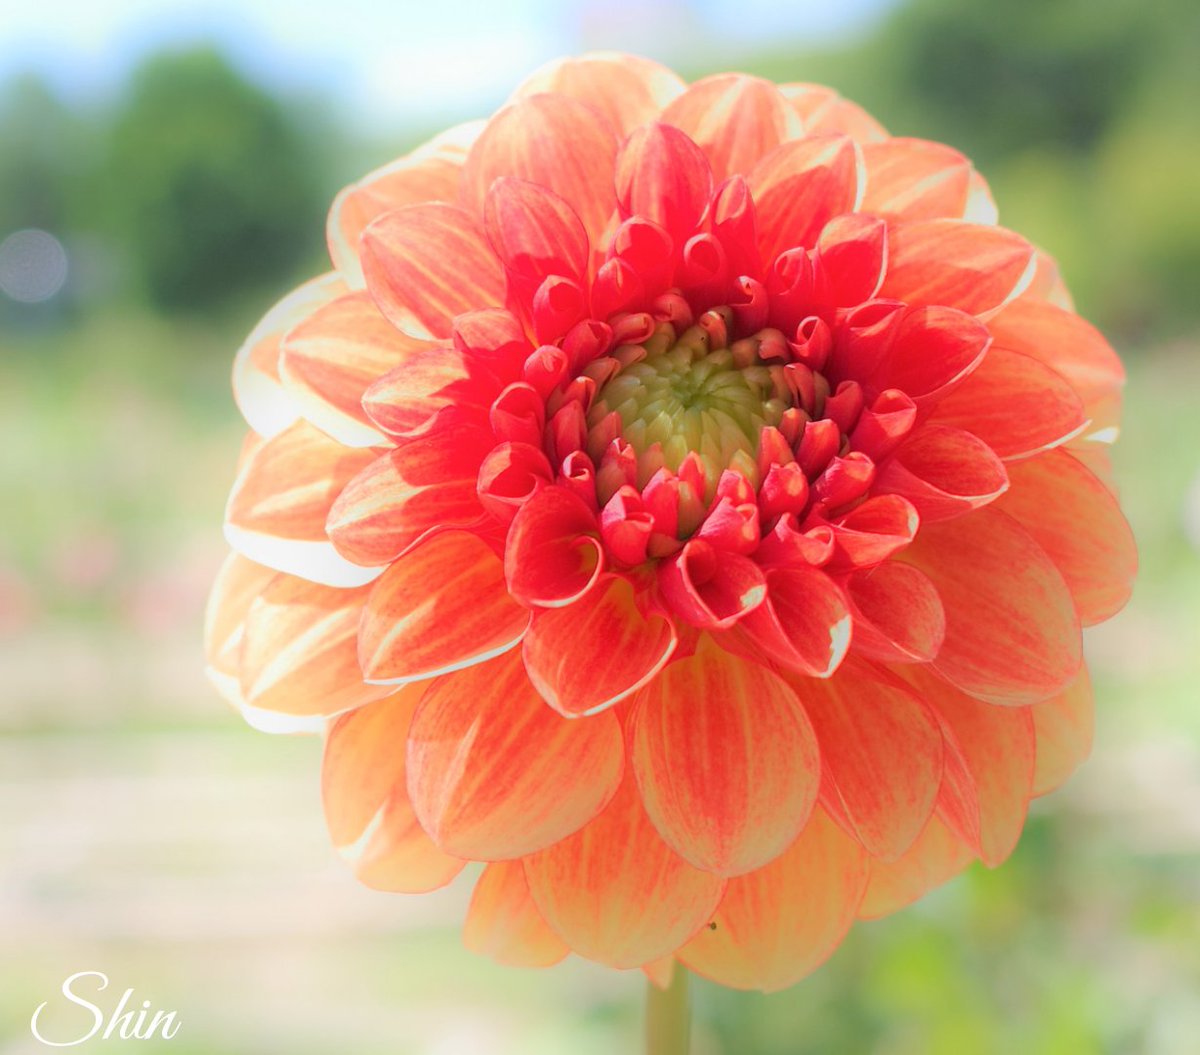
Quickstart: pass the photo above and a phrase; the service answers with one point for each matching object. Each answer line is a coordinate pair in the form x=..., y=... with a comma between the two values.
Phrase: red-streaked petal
x=425, y=264
x=822, y=112
x=1079, y=524
x=414, y=489
x=944, y=472
x=913, y=179
x=552, y=557
x=799, y=187
x=440, y=607
x=408, y=400
x=852, y=256
x=563, y=144
x=898, y=615
x=257, y=388
x=534, y=232
x=664, y=177
x=593, y=653
x=237, y=584
x=881, y=749
x=299, y=653
x=956, y=264
x=804, y=623
x=735, y=119
x=503, y=922
x=726, y=761
x=1015, y=404
x=710, y=588
x=934, y=349
x=1063, y=728
x=277, y=508
x=1070, y=346
x=615, y=892
x=782, y=921
x=1012, y=635
x=937, y=855
x=627, y=90
x=397, y=856
x=330, y=359
x=494, y=773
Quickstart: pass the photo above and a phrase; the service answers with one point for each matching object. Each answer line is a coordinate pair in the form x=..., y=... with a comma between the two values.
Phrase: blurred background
x=164, y=170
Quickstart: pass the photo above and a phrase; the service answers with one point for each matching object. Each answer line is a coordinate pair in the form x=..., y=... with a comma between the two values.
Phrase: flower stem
x=668, y=1015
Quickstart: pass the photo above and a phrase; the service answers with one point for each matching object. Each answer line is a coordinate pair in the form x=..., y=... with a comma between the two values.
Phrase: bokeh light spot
x=33, y=265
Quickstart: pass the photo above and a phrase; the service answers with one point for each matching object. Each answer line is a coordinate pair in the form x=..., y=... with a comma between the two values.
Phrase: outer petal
x=822, y=111
x=1063, y=727
x=799, y=187
x=257, y=388
x=615, y=892
x=237, y=584
x=627, y=90
x=735, y=119
x=914, y=179
x=1079, y=524
x=937, y=855
x=276, y=511
x=299, y=653
x=425, y=264
x=956, y=264
x=504, y=923
x=564, y=145
x=430, y=173
x=366, y=806
x=882, y=750
x=1012, y=635
x=593, y=653
x=493, y=773
x=440, y=607
x=330, y=359
x=898, y=615
x=781, y=922
x=420, y=486
x=726, y=761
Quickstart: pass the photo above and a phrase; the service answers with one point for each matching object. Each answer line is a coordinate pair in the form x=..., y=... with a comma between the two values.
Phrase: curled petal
x=425, y=264
x=591, y=654
x=440, y=607
x=503, y=922
x=851, y=259
x=944, y=472
x=493, y=773
x=662, y=176
x=552, y=556
x=804, y=623
x=726, y=761
x=615, y=892
x=781, y=922
x=709, y=589
x=1012, y=634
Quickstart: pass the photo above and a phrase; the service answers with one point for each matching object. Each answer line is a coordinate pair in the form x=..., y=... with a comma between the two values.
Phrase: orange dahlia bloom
x=684, y=501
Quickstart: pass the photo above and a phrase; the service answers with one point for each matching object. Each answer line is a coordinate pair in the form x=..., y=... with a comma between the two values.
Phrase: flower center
x=695, y=394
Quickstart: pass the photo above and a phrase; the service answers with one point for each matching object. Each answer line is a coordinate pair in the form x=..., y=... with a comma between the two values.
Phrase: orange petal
x=420, y=486
x=564, y=145
x=936, y=856
x=330, y=359
x=597, y=651
x=615, y=892
x=237, y=584
x=283, y=493
x=627, y=90
x=440, y=607
x=300, y=652
x=898, y=615
x=955, y=264
x=913, y=179
x=430, y=173
x=660, y=971
x=799, y=187
x=494, y=773
x=1070, y=346
x=504, y=923
x=1012, y=635
x=822, y=112
x=726, y=761
x=257, y=388
x=425, y=264
x=989, y=759
x=1015, y=404
x=1063, y=727
x=735, y=119
x=881, y=748
x=804, y=623
x=782, y=921
x=1079, y=524
x=398, y=857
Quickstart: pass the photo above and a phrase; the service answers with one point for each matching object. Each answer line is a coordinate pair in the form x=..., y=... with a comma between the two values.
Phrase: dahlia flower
x=684, y=502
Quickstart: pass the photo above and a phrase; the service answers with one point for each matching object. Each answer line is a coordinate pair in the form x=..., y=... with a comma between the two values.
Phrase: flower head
x=685, y=500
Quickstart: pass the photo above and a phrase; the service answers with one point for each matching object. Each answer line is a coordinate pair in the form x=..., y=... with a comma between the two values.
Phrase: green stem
x=668, y=1016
